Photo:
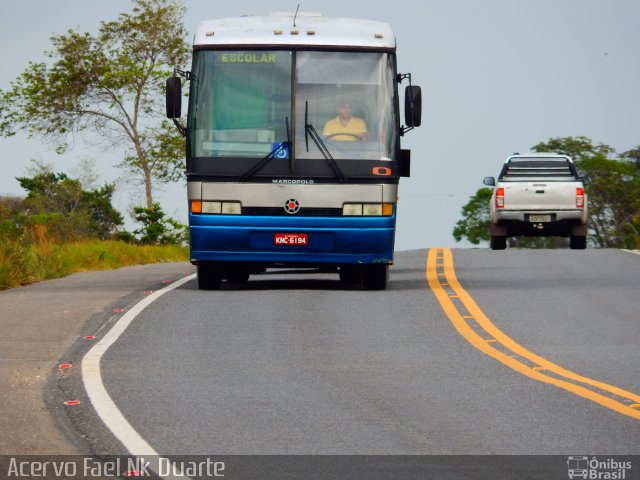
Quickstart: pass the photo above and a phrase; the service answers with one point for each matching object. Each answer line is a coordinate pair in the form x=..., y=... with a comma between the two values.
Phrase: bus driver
x=345, y=127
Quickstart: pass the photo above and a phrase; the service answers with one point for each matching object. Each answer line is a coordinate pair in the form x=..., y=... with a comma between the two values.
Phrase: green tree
x=69, y=212
x=578, y=148
x=158, y=229
x=614, y=202
x=632, y=155
x=110, y=84
x=613, y=197
x=614, y=192
x=10, y=208
x=475, y=222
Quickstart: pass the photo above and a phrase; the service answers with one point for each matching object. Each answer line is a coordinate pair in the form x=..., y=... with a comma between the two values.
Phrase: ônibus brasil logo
x=597, y=469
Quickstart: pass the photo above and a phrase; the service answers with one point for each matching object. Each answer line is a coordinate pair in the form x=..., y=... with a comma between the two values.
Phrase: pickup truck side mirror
x=490, y=181
x=585, y=180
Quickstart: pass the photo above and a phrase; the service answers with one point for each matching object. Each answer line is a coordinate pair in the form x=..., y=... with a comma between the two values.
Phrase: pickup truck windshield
x=548, y=169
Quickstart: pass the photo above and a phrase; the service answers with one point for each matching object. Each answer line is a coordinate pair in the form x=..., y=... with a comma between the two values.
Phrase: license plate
x=291, y=239
x=539, y=218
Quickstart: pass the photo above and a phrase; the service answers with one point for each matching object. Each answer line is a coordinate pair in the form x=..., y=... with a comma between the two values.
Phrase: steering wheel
x=329, y=137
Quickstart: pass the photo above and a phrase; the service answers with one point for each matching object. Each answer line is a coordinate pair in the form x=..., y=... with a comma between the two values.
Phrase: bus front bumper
x=303, y=240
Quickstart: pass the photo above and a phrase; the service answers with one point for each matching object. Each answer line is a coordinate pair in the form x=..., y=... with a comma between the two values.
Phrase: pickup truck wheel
x=498, y=242
x=578, y=242
x=209, y=277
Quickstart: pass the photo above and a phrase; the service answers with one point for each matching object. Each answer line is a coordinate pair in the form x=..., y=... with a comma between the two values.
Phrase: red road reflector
x=148, y=292
x=132, y=473
x=118, y=310
x=72, y=402
x=65, y=366
x=89, y=337
x=166, y=281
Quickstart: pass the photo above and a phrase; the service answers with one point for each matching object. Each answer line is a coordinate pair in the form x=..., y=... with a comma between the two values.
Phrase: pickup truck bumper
x=562, y=223
x=558, y=215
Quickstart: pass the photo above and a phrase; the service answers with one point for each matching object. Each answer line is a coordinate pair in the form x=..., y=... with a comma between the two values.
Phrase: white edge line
x=102, y=402
x=637, y=252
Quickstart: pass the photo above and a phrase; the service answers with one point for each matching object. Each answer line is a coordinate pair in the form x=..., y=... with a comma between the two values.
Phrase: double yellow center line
x=489, y=339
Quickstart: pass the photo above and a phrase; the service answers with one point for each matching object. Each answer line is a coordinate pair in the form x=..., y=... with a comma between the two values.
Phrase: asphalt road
x=303, y=366
x=300, y=365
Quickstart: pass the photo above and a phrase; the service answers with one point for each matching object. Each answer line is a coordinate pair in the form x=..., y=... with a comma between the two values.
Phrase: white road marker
x=102, y=402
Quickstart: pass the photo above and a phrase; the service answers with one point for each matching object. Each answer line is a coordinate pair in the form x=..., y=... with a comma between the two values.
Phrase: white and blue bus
x=270, y=183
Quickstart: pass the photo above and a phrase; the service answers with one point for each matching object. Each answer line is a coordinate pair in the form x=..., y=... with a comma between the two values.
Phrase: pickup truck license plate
x=291, y=239
x=539, y=218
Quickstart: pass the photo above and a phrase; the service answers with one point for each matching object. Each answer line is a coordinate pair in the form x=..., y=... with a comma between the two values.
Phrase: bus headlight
x=231, y=208
x=216, y=208
x=352, y=209
x=212, y=207
x=372, y=209
x=367, y=209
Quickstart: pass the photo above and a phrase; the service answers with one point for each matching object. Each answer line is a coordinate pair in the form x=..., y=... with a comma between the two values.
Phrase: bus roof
x=311, y=29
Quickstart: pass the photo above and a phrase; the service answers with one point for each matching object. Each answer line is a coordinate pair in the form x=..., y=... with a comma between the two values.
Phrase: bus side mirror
x=174, y=97
x=404, y=163
x=412, y=106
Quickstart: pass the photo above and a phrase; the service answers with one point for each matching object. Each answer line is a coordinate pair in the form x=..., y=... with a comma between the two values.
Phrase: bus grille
x=303, y=212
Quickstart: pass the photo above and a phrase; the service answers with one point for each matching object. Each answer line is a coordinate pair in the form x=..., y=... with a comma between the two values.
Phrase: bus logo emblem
x=292, y=206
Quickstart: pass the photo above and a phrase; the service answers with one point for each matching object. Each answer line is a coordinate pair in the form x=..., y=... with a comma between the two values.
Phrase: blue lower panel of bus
x=313, y=240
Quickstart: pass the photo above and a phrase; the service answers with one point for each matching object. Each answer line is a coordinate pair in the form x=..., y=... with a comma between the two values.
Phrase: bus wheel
x=238, y=276
x=209, y=277
x=376, y=276
x=350, y=274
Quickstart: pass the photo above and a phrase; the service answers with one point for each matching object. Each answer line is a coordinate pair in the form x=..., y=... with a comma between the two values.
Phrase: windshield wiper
x=280, y=147
x=310, y=131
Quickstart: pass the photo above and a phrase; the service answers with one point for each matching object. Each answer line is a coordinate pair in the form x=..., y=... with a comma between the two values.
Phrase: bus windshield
x=245, y=104
x=348, y=98
x=239, y=103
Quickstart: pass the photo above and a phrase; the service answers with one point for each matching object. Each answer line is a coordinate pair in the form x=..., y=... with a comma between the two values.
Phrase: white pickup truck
x=538, y=195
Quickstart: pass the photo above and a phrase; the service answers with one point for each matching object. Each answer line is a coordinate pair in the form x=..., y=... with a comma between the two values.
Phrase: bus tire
x=376, y=276
x=350, y=274
x=209, y=277
x=238, y=276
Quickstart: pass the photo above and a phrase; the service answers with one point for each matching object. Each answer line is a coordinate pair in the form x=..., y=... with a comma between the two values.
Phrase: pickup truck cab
x=538, y=195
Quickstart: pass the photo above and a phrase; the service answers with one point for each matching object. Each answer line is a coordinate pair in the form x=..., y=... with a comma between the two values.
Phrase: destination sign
x=248, y=57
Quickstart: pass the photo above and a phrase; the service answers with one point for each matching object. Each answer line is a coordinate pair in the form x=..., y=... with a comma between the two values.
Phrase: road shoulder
x=39, y=324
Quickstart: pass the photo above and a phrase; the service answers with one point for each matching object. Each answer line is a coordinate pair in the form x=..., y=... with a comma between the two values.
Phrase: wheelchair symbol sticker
x=283, y=150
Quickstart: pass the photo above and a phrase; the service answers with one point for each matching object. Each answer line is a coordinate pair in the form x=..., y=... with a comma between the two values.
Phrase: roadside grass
x=22, y=263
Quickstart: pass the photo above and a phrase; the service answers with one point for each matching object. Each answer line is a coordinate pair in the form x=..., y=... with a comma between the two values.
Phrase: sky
x=497, y=77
